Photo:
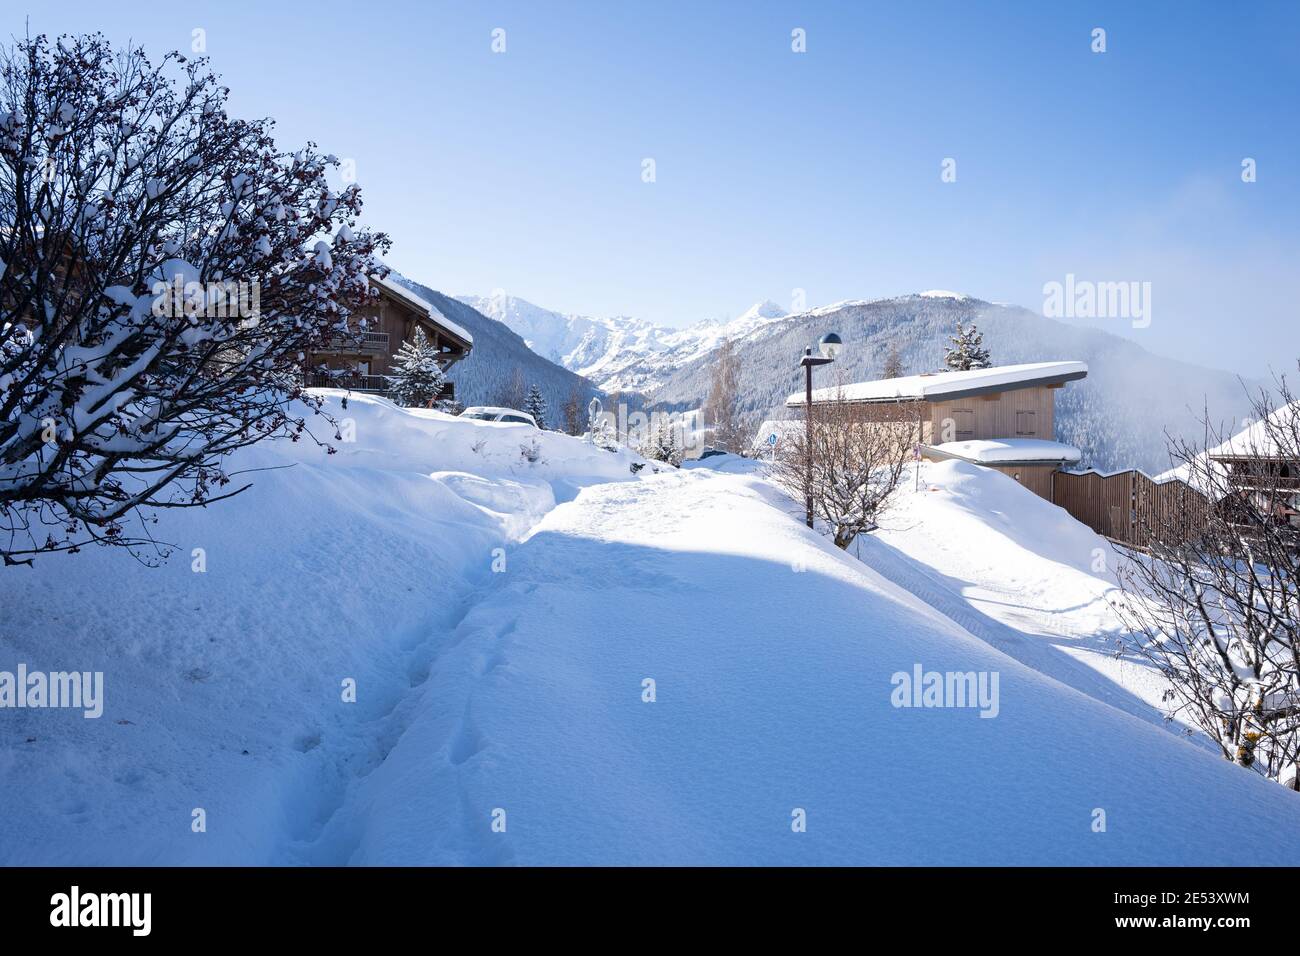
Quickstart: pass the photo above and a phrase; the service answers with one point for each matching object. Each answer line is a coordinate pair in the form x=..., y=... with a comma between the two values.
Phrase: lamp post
x=829, y=346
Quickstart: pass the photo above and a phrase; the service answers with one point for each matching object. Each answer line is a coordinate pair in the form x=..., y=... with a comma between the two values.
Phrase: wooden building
x=1001, y=417
x=1262, y=463
x=360, y=361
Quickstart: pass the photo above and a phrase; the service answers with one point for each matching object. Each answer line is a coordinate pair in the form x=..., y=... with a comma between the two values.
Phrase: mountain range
x=1118, y=416
x=620, y=354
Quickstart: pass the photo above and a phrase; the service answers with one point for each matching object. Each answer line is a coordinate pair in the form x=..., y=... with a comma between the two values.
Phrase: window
x=963, y=423
x=1026, y=423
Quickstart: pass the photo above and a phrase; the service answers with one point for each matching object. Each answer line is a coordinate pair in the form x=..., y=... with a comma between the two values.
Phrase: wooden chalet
x=361, y=361
x=1001, y=417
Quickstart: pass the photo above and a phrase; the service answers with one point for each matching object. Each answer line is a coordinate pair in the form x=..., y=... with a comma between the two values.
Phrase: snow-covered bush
x=1215, y=607
x=531, y=451
x=845, y=468
x=661, y=444
x=419, y=377
x=164, y=270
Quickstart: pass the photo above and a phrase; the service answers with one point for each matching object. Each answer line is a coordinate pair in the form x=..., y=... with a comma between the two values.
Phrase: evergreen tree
x=662, y=445
x=893, y=363
x=419, y=377
x=967, y=350
x=535, y=405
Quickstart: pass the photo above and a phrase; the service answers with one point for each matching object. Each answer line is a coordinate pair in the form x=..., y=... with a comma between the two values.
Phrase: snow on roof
x=1254, y=440
x=420, y=305
x=940, y=385
x=1005, y=451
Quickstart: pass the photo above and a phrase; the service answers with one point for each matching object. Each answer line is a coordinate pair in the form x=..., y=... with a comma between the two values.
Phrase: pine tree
x=967, y=350
x=535, y=405
x=893, y=363
x=419, y=377
x=662, y=445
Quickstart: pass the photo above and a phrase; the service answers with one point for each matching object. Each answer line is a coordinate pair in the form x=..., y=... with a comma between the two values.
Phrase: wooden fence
x=1131, y=507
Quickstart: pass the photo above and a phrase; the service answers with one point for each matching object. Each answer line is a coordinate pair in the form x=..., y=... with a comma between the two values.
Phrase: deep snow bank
x=772, y=657
x=224, y=687
x=1018, y=572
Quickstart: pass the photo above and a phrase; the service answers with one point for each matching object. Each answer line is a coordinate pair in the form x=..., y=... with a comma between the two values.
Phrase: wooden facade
x=1014, y=413
x=362, y=360
x=1130, y=506
x=1037, y=478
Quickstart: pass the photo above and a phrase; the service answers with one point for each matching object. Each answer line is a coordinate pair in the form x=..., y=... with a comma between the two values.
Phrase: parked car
x=491, y=413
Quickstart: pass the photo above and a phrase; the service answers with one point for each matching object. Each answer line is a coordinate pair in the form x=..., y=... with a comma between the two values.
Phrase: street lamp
x=829, y=346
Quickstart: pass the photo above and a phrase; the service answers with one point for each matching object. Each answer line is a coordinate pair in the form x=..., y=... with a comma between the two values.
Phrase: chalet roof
x=413, y=301
x=1254, y=441
x=1009, y=451
x=942, y=386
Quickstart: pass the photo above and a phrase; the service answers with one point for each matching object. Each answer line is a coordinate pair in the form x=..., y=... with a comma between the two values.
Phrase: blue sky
x=778, y=171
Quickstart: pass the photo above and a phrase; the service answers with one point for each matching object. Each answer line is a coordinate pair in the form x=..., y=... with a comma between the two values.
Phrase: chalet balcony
x=361, y=342
x=353, y=381
x=372, y=384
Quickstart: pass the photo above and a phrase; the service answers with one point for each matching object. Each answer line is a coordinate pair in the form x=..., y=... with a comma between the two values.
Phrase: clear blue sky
x=778, y=170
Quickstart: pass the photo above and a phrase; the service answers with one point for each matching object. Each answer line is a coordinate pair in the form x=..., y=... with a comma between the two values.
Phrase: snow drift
x=559, y=661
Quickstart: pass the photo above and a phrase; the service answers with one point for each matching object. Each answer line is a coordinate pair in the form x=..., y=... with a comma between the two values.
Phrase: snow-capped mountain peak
x=767, y=309
x=618, y=353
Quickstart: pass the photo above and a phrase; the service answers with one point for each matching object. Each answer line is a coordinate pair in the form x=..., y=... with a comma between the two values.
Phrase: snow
x=943, y=294
x=406, y=295
x=941, y=384
x=1018, y=572
x=501, y=618
x=618, y=353
x=772, y=694
x=1254, y=439
x=993, y=451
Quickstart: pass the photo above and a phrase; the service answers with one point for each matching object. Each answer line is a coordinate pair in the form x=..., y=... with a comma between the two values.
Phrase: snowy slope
x=619, y=353
x=520, y=689
x=773, y=694
x=1017, y=572
x=223, y=687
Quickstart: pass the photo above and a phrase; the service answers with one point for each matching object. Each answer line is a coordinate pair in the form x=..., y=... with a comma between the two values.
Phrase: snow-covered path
x=771, y=656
